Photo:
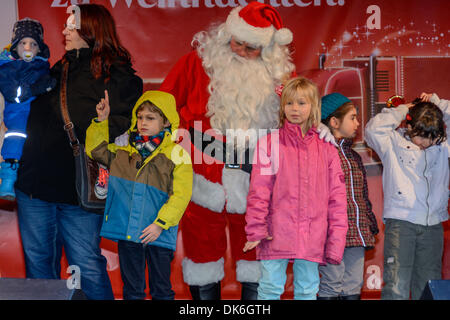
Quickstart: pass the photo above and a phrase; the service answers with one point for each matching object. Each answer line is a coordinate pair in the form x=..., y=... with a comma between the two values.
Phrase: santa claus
x=228, y=82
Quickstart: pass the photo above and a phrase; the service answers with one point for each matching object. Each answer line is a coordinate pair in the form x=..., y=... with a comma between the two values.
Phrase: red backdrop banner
x=158, y=32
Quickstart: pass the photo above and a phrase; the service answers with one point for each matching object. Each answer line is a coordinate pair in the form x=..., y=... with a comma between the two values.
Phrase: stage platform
x=12, y=261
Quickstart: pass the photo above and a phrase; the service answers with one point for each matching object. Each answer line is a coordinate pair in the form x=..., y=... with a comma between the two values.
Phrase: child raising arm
x=415, y=187
x=149, y=189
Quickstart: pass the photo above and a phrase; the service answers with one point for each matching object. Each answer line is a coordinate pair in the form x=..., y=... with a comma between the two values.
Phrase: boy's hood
x=164, y=101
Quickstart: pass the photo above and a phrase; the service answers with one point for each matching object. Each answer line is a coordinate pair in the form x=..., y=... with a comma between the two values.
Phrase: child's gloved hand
x=45, y=84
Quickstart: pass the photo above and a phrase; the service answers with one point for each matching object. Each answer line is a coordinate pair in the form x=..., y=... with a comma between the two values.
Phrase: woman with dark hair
x=48, y=210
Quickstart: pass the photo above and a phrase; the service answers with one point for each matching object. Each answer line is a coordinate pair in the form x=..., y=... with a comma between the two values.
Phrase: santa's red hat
x=258, y=24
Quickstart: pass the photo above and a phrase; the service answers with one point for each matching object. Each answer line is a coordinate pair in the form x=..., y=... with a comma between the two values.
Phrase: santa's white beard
x=242, y=93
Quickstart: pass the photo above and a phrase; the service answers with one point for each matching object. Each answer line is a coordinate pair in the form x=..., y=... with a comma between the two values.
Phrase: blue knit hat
x=331, y=102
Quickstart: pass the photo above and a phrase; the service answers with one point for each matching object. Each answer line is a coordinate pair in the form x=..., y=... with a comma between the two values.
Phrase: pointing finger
x=106, y=97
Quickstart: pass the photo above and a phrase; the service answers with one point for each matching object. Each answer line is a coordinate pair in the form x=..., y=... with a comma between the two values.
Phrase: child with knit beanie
x=345, y=280
x=24, y=74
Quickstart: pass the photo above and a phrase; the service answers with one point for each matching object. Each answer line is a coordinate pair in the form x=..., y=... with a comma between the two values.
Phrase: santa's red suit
x=219, y=192
x=203, y=225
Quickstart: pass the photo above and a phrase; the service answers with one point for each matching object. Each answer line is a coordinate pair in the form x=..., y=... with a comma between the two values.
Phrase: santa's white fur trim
x=200, y=274
x=243, y=31
x=283, y=36
x=236, y=183
x=208, y=194
x=248, y=271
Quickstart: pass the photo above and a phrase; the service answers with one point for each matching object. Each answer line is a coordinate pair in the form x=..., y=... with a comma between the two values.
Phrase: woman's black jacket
x=47, y=170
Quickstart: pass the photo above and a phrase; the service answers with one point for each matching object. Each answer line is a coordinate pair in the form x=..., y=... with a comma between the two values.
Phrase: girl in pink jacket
x=296, y=205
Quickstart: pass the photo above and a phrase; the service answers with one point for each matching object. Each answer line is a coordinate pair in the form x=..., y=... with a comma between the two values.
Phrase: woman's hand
x=151, y=233
x=253, y=244
x=103, y=108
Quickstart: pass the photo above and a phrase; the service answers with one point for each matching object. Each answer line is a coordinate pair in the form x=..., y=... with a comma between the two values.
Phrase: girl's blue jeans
x=273, y=279
x=45, y=226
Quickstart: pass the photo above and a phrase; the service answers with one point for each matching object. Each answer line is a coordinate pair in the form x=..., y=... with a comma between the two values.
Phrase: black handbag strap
x=68, y=124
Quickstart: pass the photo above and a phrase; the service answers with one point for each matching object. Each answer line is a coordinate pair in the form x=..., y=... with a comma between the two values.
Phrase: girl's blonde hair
x=311, y=93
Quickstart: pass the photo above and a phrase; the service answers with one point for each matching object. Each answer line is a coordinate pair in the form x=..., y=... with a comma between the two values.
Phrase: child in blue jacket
x=24, y=74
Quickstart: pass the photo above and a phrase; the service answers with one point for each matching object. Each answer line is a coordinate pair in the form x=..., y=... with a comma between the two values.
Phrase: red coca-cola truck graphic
x=370, y=80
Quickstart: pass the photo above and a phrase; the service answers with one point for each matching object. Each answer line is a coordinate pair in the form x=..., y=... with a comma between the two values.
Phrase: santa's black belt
x=219, y=151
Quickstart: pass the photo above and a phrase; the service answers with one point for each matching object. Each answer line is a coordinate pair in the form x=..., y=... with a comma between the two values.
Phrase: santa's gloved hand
x=44, y=84
x=236, y=183
x=208, y=194
x=325, y=134
x=122, y=140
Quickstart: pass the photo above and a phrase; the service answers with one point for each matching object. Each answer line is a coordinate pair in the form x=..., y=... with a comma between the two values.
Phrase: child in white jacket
x=415, y=187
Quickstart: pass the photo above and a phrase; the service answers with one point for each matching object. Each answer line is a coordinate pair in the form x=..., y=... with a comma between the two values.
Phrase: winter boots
x=349, y=297
x=249, y=291
x=328, y=298
x=211, y=291
x=8, y=174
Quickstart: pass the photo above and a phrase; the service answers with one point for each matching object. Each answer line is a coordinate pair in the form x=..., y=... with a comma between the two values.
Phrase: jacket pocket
x=401, y=194
x=280, y=231
x=439, y=199
x=114, y=221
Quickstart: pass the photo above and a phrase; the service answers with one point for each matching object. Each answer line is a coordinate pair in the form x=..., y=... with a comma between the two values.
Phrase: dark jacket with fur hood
x=47, y=169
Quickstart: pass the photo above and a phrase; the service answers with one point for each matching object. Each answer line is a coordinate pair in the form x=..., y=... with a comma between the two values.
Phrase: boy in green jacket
x=149, y=188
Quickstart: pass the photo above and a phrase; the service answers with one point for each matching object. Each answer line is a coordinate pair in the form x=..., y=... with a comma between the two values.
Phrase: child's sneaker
x=101, y=185
x=8, y=174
